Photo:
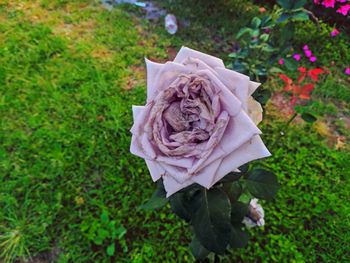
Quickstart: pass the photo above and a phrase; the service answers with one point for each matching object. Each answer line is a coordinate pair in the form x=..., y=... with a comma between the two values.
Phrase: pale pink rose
x=195, y=126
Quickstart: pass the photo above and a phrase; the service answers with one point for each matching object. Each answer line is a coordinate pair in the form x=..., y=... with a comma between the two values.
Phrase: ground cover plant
x=70, y=190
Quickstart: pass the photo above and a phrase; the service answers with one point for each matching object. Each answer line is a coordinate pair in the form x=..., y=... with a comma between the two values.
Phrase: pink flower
x=317, y=2
x=341, y=1
x=297, y=57
x=328, y=3
x=347, y=71
x=281, y=61
x=184, y=142
x=308, y=53
x=334, y=32
x=344, y=9
x=313, y=59
x=306, y=47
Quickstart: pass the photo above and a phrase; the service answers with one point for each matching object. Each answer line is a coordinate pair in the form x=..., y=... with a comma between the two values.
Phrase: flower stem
x=281, y=131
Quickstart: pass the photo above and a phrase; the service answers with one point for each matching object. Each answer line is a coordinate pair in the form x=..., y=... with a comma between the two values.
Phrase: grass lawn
x=70, y=190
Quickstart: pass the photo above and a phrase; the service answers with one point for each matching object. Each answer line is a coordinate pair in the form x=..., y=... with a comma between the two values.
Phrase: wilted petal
x=239, y=130
x=229, y=101
x=153, y=70
x=186, y=52
x=253, y=86
x=255, y=110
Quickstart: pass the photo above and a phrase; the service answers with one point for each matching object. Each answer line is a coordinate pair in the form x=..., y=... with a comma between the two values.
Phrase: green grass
x=70, y=188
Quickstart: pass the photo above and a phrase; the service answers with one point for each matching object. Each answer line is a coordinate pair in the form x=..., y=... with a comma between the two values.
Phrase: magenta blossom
x=297, y=57
x=308, y=53
x=344, y=9
x=347, y=71
x=328, y=3
x=334, y=32
x=306, y=47
x=341, y=1
x=281, y=61
x=313, y=59
x=317, y=2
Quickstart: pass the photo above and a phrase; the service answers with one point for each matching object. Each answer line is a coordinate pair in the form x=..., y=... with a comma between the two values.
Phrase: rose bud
x=255, y=216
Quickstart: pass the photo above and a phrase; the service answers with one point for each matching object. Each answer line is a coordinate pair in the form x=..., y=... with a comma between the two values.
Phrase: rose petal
x=206, y=176
x=252, y=150
x=172, y=186
x=233, y=139
x=255, y=110
x=155, y=169
x=136, y=110
x=180, y=162
x=164, y=77
x=230, y=102
x=253, y=86
x=153, y=69
x=237, y=83
x=136, y=149
x=186, y=52
x=180, y=175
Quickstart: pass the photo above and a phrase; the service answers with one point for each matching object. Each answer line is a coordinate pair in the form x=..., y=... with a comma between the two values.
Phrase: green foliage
x=262, y=184
x=308, y=117
x=158, y=198
x=267, y=39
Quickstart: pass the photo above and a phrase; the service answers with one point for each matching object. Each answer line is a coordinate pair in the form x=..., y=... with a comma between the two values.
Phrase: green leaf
x=264, y=37
x=287, y=33
x=179, y=205
x=185, y=204
x=198, y=251
x=120, y=231
x=238, y=66
x=211, y=222
x=231, y=177
x=298, y=4
x=256, y=21
x=300, y=16
x=157, y=200
x=308, y=117
x=233, y=55
x=283, y=17
x=233, y=190
x=238, y=238
x=290, y=64
x=238, y=211
x=111, y=250
x=275, y=70
x=103, y=233
x=243, y=31
x=262, y=95
x=286, y=4
x=104, y=216
x=262, y=184
x=266, y=22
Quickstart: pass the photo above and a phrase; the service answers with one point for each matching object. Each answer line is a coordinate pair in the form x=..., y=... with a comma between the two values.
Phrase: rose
x=199, y=122
x=255, y=216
